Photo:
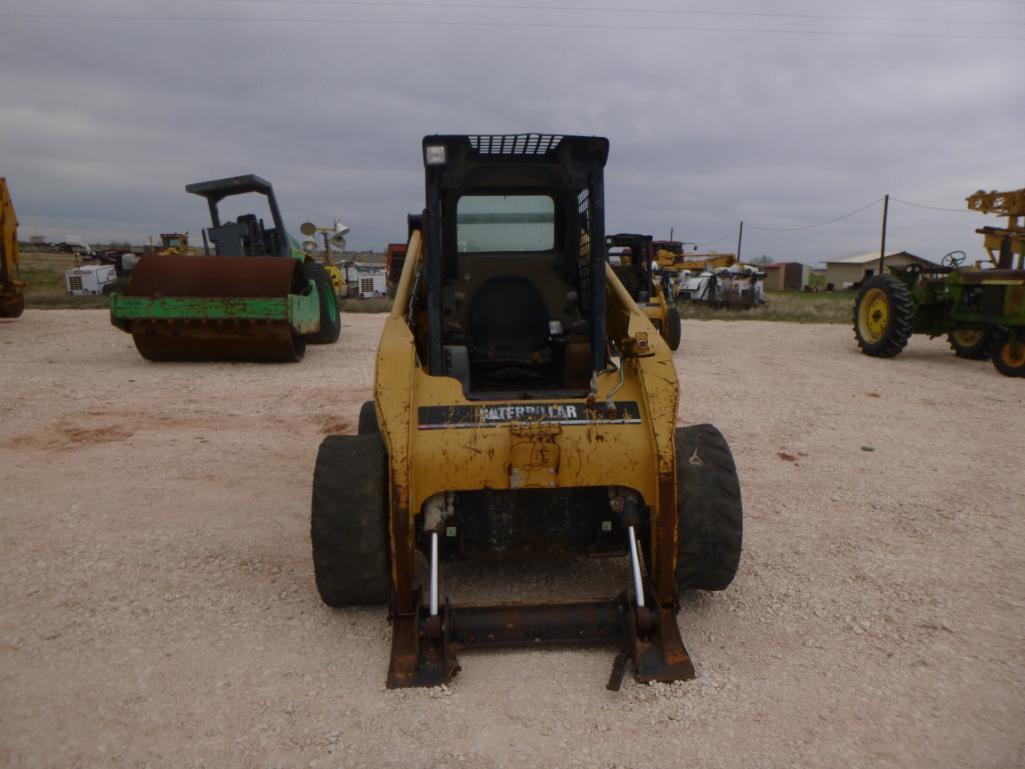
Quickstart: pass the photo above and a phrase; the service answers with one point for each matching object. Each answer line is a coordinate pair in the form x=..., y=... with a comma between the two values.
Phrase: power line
x=975, y=2
x=722, y=237
x=817, y=224
x=933, y=208
x=507, y=25
x=610, y=9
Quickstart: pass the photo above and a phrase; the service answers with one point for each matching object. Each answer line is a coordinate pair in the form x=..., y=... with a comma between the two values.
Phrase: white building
x=843, y=273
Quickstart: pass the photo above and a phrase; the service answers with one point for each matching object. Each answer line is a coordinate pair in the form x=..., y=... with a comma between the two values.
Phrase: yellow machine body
x=425, y=462
x=1002, y=243
x=676, y=263
x=656, y=309
x=337, y=278
x=12, y=289
x=175, y=244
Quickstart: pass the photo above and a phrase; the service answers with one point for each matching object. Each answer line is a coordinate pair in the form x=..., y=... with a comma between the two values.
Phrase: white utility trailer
x=90, y=279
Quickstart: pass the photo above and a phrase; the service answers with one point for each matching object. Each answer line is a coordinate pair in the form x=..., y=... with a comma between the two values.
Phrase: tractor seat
x=229, y=239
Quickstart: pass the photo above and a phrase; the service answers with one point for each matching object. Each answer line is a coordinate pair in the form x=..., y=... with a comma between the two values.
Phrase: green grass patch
x=786, y=306
x=43, y=271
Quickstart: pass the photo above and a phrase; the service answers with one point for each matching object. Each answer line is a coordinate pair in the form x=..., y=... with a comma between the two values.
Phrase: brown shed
x=784, y=276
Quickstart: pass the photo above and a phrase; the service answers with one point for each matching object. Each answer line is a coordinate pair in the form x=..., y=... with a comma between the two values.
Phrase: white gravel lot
x=157, y=605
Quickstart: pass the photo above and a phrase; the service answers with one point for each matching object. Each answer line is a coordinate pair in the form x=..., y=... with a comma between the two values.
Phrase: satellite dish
x=341, y=229
x=338, y=241
x=309, y=246
x=309, y=229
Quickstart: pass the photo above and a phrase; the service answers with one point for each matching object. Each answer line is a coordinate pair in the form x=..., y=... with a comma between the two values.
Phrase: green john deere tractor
x=980, y=309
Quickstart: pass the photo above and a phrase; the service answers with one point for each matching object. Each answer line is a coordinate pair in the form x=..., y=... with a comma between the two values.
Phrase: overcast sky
x=712, y=118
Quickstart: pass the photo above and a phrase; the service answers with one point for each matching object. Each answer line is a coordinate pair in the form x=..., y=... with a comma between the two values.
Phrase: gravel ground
x=157, y=605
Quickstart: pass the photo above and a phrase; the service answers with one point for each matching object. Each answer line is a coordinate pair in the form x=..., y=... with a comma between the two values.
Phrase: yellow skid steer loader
x=524, y=407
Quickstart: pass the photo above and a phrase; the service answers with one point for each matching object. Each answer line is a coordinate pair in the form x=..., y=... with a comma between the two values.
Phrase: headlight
x=434, y=154
x=309, y=246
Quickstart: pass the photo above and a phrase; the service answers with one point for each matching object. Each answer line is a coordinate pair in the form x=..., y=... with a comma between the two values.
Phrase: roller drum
x=217, y=277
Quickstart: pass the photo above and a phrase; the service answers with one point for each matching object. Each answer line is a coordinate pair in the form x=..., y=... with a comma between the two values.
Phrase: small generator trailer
x=258, y=298
x=524, y=408
x=371, y=282
x=90, y=279
x=981, y=309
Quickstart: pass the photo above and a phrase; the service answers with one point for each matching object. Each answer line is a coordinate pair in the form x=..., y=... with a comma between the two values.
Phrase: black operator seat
x=509, y=322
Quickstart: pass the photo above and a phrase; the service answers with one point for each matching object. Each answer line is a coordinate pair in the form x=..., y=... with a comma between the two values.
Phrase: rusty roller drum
x=223, y=279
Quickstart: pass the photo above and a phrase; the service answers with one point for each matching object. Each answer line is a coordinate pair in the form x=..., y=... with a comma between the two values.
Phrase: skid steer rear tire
x=330, y=312
x=711, y=515
x=349, y=521
x=674, y=328
x=367, y=424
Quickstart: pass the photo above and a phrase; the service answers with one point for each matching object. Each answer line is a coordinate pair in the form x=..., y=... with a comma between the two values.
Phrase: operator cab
x=510, y=272
x=634, y=264
x=247, y=235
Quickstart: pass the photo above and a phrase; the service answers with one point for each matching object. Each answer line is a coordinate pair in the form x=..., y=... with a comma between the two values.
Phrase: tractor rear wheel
x=349, y=521
x=368, y=420
x=1009, y=355
x=330, y=315
x=973, y=343
x=674, y=328
x=883, y=316
x=711, y=515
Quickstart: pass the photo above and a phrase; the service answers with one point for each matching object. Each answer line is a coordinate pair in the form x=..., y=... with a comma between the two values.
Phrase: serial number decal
x=493, y=414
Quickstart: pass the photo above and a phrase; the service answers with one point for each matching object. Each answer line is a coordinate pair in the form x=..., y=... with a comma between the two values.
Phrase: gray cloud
x=102, y=123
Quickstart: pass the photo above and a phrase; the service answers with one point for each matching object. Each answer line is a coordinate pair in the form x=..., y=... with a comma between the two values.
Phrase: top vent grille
x=515, y=144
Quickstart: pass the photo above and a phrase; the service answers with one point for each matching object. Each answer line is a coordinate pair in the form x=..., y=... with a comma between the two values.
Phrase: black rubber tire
x=979, y=350
x=711, y=526
x=894, y=337
x=368, y=420
x=330, y=312
x=1008, y=357
x=674, y=328
x=349, y=521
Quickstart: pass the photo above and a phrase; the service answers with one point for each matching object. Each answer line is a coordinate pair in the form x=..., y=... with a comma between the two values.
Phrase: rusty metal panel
x=424, y=647
x=608, y=445
x=534, y=456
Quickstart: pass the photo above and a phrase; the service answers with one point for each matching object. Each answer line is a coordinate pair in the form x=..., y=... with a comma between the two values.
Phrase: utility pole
x=882, y=245
x=740, y=239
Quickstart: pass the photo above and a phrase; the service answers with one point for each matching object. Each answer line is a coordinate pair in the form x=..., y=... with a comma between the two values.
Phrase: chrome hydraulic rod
x=434, y=573
x=635, y=567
